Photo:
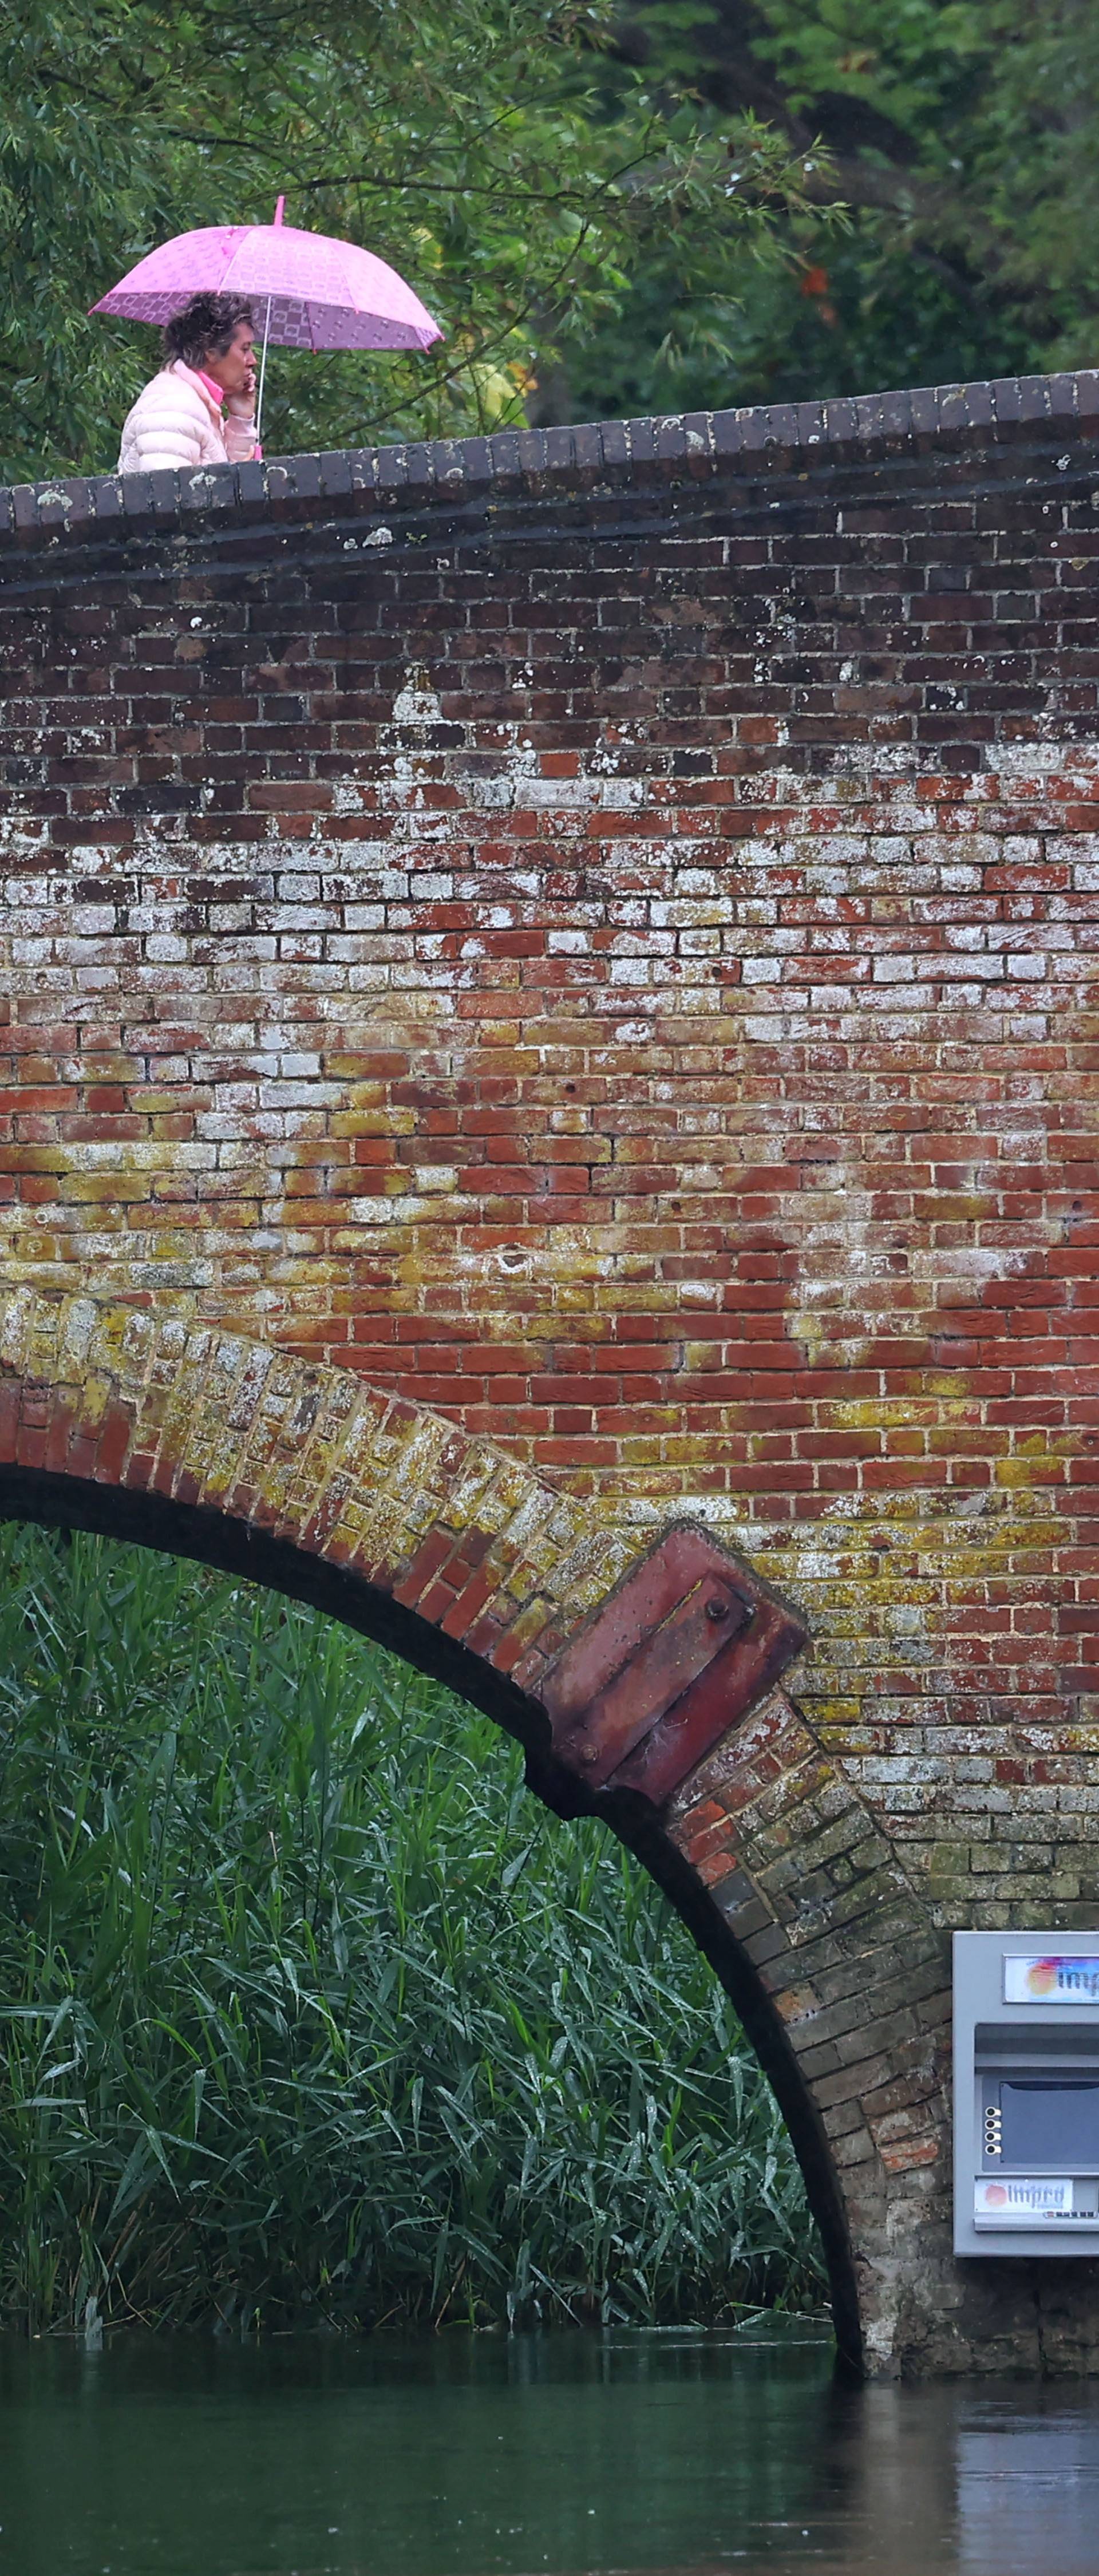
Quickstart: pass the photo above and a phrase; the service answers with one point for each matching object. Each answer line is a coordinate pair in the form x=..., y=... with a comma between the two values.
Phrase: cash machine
x=1026, y=2093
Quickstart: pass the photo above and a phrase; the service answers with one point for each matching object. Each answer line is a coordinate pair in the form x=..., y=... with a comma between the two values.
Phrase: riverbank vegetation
x=309, y=2011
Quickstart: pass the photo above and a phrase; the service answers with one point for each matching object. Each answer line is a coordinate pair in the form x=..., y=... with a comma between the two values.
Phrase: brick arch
x=171, y=1417
x=565, y=1629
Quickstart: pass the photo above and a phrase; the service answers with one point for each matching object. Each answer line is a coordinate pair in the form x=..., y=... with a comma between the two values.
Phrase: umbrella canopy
x=322, y=294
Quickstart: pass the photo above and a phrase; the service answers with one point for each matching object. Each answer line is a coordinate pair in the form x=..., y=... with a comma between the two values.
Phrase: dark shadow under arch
x=215, y=1538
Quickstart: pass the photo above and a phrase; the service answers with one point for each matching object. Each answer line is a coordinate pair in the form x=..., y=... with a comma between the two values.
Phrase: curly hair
x=204, y=328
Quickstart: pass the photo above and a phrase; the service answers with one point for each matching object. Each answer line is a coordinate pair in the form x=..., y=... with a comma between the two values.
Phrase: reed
x=307, y=2009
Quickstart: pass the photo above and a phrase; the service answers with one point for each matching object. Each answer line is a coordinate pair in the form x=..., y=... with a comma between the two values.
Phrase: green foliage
x=307, y=2008
x=970, y=133
x=473, y=143
x=610, y=207
x=963, y=138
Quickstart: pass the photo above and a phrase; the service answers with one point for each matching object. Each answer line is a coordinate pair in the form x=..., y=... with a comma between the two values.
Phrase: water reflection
x=1028, y=2489
x=563, y=2455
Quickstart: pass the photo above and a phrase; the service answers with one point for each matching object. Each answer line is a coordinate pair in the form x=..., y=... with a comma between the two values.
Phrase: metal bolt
x=716, y=1609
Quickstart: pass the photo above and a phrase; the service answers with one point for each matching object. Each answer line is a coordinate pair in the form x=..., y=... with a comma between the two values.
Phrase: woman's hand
x=243, y=405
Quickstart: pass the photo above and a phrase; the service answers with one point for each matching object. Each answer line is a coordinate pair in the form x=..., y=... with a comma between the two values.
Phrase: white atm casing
x=1026, y=2093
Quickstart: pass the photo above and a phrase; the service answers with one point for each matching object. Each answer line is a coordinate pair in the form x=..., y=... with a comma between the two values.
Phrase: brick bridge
x=549, y=1097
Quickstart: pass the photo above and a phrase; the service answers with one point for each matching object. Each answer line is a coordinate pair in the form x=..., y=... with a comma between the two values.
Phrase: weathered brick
x=593, y=931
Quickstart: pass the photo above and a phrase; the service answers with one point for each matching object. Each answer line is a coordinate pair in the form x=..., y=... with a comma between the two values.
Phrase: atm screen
x=1050, y=2122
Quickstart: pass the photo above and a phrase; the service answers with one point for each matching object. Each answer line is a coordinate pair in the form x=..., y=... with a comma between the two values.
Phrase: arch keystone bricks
x=549, y=1104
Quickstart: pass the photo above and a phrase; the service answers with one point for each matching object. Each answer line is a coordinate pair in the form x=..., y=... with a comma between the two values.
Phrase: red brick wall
x=594, y=932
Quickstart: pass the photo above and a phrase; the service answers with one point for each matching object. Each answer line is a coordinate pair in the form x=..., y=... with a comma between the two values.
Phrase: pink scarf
x=215, y=392
x=203, y=384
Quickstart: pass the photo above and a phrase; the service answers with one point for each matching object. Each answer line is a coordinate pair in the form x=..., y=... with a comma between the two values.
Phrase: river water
x=548, y=2455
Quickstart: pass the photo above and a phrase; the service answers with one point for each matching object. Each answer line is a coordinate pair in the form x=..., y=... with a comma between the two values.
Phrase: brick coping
x=518, y=462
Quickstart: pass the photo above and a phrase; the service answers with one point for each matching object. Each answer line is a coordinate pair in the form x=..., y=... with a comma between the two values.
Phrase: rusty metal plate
x=621, y=1624
x=718, y=1700
x=681, y=1652
x=653, y=1678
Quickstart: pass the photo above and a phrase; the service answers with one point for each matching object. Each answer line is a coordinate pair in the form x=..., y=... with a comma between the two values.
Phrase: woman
x=200, y=409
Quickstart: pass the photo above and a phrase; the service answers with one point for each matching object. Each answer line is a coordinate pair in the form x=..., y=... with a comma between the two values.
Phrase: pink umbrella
x=319, y=293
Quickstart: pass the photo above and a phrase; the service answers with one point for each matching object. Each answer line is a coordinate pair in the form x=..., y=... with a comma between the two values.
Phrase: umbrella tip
x=278, y=210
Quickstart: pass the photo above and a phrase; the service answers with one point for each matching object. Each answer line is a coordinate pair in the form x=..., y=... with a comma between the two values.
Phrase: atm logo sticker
x=1025, y=2197
x=1051, y=1981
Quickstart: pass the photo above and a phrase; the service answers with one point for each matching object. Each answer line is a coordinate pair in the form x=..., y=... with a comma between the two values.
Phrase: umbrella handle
x=262, y=372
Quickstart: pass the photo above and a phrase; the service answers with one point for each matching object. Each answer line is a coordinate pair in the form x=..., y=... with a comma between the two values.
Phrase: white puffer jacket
x=176, y=422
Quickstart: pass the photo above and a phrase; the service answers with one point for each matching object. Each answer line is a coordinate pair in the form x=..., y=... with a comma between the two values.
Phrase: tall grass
x=308, y=2010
